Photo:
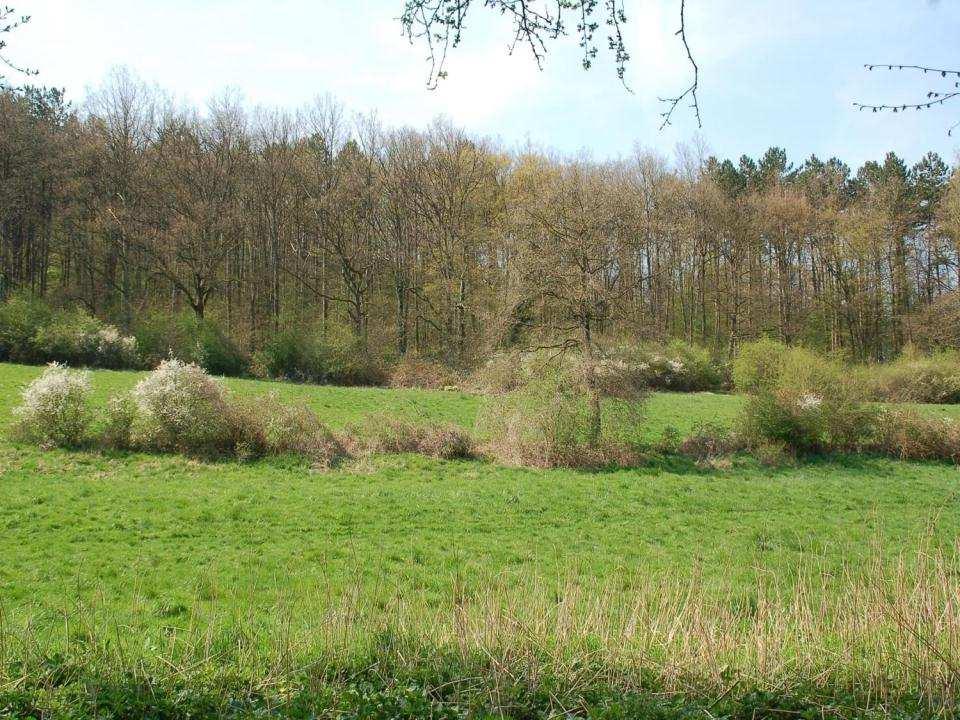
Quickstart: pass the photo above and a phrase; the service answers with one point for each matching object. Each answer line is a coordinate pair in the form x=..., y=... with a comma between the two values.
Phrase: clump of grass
x=882, y=642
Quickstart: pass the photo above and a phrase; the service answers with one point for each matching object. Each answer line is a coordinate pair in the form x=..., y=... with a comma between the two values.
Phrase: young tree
x=567, y=259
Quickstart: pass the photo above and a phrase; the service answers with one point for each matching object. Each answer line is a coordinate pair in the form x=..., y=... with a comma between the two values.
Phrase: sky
x=772, y=72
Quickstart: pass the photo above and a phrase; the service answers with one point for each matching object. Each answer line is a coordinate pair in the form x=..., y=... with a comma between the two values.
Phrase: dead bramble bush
x=265, y=426
x=550, y=423
x=908, y=435
x=774, y=455
x=708, y=442
x=379, y=435
x=418, y=372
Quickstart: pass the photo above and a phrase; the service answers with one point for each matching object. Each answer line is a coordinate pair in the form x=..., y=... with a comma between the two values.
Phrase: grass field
x=143, y=543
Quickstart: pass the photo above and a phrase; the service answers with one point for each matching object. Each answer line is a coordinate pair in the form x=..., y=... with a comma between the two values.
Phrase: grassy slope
x=166, y=535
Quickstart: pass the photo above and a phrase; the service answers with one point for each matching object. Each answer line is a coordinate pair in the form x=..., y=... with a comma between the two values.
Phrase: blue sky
x=772, y=73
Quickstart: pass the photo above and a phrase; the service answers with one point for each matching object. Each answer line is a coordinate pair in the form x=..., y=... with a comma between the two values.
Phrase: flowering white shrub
x=809, y=401
x=80, y=339
x=180, y=407
x=678, y=366
x=55, y=409
x=112, y=349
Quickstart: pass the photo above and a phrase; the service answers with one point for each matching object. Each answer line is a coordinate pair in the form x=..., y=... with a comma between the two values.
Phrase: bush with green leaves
x=77, y=338
x=914, y=377
x=187, y=338
x=21, y=316
x=302, y=356
x=55, y=411
x=293, y=355
x=33, y=332
x=758, y=364
x=810, y=405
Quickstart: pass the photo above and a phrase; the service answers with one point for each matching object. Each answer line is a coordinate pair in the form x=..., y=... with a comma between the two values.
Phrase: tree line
x=441, y=243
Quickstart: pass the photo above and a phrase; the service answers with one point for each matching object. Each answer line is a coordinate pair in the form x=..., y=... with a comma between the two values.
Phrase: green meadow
x=133, y=546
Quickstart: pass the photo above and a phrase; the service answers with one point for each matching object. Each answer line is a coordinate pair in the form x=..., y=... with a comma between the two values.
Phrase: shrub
x=63, y=339
x=32, y=332
x=185, y=337
x=758, y=364
x=354, y=364
x=180, y=407
x=548, y=423
x=413, y=371
x=916, y=378
x=709, y=442
x=55, y=410
x=393, y=435
x=113, y=350
x=20, y=319
x=679, y=366
x=215, y=351
x=908, y=435
x=119, y=418
x=811, y=405
x=302, y=357
x=293, y=355
x=265, y=426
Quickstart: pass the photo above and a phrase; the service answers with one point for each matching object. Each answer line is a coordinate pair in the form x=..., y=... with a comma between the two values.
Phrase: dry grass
x=709, y=443
x=871, y=637
x=391, y=435
x=418, y=372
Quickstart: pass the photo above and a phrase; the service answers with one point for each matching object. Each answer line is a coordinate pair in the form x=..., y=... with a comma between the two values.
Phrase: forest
x=435, y=242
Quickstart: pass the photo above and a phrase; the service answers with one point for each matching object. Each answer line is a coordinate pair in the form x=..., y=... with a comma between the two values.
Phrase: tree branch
x=690, y=91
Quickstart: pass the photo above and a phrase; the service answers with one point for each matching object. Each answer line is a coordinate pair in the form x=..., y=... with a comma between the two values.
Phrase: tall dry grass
x=874, y=636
